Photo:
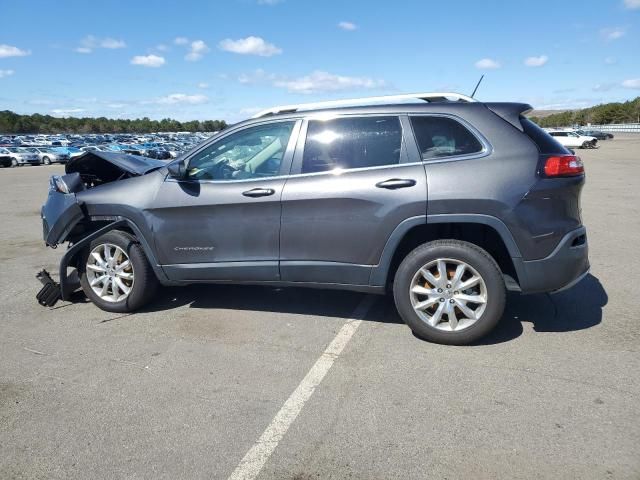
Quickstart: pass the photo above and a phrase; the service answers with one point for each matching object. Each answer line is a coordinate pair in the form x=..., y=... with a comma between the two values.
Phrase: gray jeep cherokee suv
x=445, y=201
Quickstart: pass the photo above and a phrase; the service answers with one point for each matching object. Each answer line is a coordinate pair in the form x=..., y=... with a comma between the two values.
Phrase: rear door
x=352, y=184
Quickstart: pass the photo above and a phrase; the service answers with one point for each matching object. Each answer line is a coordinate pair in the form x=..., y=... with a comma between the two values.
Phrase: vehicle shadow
x=575, y=309
x=291, y=300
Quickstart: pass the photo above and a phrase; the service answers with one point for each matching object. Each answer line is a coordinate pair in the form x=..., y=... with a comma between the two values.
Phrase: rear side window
x=439, y=137
x=545, y=142
x=344, y=143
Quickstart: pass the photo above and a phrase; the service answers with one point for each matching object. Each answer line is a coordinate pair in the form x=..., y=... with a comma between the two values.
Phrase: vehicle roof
x=452, y=108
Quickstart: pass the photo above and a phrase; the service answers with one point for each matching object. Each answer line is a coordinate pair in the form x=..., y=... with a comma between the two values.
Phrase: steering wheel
x=224, y=170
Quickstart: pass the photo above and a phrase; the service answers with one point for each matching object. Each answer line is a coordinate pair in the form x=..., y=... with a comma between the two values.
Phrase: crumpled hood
x=94, y=162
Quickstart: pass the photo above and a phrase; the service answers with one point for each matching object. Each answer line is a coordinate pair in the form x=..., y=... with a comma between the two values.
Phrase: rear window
x=345, y=143
x=440, y=137
x=545, y=142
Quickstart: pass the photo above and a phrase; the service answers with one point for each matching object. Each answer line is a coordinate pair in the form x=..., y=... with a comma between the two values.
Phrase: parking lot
x=186, y=388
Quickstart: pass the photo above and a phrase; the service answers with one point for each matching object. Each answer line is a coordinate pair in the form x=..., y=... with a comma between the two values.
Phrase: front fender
x=60, y=213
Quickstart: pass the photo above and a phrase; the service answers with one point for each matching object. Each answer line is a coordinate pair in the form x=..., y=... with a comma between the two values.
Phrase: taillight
x=563, y=166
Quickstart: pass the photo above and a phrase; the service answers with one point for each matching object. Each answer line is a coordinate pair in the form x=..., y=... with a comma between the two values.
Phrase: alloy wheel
x=448, y=294
x=110, y=272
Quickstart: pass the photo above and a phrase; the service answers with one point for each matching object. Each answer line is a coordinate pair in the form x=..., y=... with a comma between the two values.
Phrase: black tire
x=145, y=282
x=46, y=160
x=14, y=163
x=473, y=256
x=586, y=144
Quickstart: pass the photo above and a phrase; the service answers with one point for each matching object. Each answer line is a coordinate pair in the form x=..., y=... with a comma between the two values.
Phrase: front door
x=222, y=222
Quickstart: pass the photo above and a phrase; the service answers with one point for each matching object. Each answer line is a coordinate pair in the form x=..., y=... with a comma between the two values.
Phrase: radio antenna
x=477, y=85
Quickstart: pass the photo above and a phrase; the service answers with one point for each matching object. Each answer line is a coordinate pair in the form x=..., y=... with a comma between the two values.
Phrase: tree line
x=626, y=112
x=13, y=123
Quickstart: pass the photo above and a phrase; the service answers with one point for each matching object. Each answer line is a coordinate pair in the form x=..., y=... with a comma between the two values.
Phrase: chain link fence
x=617, y=127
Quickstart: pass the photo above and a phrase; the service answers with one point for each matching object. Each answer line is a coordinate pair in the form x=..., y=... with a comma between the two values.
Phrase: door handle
x=259, y=192
x=395, y=183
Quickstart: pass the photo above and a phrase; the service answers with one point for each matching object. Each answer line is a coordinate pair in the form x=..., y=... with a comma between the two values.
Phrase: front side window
x=439, y=137
x=255, y=152
x=351, y=142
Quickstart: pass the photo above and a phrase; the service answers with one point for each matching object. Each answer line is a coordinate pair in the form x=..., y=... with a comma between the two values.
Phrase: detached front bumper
x=562, y=269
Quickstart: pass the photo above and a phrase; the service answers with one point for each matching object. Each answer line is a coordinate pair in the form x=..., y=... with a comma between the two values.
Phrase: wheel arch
x=485, y=231
x=95, y=229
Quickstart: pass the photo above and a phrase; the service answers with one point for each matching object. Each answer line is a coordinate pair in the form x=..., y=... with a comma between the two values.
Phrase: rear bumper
x=563, y=268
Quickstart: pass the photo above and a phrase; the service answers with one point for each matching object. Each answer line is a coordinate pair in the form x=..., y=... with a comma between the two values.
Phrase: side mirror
x=177, y=169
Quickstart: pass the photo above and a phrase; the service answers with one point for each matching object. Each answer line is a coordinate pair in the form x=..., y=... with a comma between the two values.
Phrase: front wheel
x=450, y=292
x=115, y=274
x=14, y=162
x=46, y=161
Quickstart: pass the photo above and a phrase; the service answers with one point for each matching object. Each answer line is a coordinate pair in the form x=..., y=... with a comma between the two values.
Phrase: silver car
x=49, y=156
x=21, y=156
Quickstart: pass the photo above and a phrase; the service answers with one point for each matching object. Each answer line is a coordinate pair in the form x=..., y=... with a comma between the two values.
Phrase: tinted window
x=543, y=140
x=443, y=137
x=352, y=143
x=250, y=153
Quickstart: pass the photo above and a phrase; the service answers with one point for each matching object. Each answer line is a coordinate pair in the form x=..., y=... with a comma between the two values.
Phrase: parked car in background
x=600, y=135
x=571, y=139
x=21, y=156
x=49, y=156
x=5, y=160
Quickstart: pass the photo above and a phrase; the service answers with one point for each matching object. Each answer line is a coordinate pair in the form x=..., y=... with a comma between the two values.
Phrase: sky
x=228, y=59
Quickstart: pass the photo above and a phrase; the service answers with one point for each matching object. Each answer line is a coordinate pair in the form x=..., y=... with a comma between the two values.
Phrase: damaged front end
x=65, y=218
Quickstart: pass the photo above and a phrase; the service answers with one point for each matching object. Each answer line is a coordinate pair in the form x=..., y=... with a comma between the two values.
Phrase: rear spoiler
x=510, y=112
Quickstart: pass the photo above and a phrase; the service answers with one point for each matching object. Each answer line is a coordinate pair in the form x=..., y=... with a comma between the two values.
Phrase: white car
x=572, y=139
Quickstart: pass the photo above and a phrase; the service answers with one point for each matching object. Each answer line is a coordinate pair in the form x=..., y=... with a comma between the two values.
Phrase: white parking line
x=252, y=463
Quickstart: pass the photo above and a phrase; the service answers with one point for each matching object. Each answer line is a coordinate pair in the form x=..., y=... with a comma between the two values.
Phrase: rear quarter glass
x=547, y=145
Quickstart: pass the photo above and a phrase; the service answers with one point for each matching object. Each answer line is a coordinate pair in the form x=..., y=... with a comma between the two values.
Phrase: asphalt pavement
x=189, y=386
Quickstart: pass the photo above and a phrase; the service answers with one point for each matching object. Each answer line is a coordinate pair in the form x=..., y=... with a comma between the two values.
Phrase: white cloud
x=181, y=98
x=65, y=112
x=613, y=33
x=11, y=51
x=349, y=26
x=610, y=61
x=536, y=61
x=632, y=4
x=320, y=81
x=269, y=2
x=603, y=87
x=203, y=85
x=112, y=43
x=487, y=64
x=249, y=46
x=89, y=43
x=153, y=61
x=6, y=73
x=633, y=83
x=256, y=76
x=197, y=50
x=162, y=47
x=181, y=40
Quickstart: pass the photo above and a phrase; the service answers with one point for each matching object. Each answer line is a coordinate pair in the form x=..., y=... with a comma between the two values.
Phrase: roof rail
x=352, y=102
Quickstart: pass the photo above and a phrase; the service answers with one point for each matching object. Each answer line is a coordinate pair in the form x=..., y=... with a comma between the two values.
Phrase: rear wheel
x=115, y=274
x=450, y=292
